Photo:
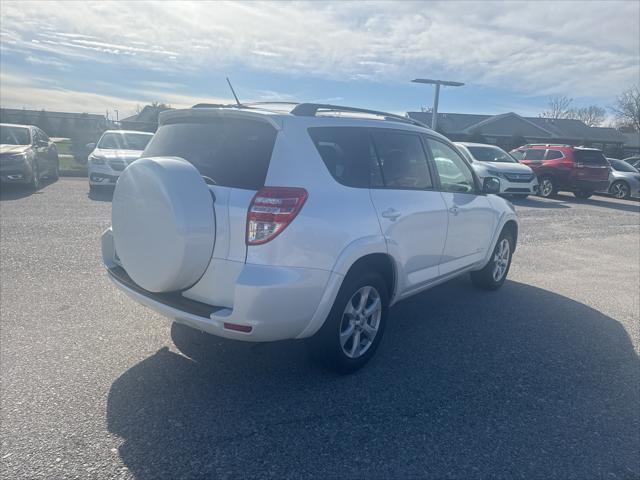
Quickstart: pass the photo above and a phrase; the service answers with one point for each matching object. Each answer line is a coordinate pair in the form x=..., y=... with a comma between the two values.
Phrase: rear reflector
x=271, y=211
x=238, y=328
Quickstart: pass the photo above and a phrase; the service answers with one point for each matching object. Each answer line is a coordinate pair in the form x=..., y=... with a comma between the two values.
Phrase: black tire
x=583, y=194
x=55, y=175
x=34, y=182
x=620, y=189
x=548, y=187
x=326, y=346
x=485, y=278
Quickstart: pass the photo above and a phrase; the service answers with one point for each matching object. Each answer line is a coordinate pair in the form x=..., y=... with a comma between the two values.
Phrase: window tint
x=14, y=135
x=517, y=154
x=454, y=173
x=490, y=154
x=233, y=152
x=124, y=141
x=553, y=154
x=348, y=154
x=622, y=166
x=590, y=156
x=402, y=159
x=534, y=154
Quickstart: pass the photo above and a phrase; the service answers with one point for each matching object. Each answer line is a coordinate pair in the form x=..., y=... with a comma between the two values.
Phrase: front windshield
x=14, y=135
x=124, y=141
x=622, y=166
x=490, y=154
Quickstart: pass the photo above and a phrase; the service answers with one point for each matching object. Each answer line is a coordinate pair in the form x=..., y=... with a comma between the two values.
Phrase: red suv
x=564, y=167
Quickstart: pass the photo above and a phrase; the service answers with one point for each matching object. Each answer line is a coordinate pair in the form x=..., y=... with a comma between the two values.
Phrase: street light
x=436, y=97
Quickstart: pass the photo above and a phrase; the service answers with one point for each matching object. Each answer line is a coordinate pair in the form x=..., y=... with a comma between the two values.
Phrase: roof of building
x=149, y=114
x=511, y=124
x=632, y=139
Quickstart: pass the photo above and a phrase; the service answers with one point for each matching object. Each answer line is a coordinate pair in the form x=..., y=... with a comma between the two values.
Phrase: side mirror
x=90, y=146
x=491, y=185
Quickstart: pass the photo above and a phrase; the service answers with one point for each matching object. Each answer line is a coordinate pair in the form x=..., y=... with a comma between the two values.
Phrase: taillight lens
x=271, y=210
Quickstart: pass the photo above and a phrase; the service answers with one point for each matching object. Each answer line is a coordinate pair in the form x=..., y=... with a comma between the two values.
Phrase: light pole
x=436, y=96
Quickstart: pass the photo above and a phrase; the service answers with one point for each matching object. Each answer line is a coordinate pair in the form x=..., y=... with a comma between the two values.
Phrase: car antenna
x=234, y=92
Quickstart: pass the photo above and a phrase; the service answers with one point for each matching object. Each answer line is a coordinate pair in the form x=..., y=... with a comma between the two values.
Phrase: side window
x=454, y=173
x=553, y=154
x=348, y=154
x=402, y=159
x=534, y=154
x=517, y=154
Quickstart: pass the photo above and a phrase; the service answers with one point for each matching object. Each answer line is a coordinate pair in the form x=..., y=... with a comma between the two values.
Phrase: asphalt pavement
x=540, y=379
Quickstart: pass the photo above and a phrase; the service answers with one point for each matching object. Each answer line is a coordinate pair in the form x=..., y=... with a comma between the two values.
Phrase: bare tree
x=627, y=108
x=592, y=115
x=558, y=107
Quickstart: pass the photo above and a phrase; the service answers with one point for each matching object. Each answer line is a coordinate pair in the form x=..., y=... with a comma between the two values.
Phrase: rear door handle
x=391, y=214
x=454, y=210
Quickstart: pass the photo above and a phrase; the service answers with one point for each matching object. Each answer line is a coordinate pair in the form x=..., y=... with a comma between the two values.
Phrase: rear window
x=534, y=154
x=517, y=154
x=590, y=156
x=622, y=166
x=233, y=152
x=348, y=154
x=554, y=154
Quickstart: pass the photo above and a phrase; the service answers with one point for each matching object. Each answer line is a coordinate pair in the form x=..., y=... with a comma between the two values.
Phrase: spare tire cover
x=163, y=223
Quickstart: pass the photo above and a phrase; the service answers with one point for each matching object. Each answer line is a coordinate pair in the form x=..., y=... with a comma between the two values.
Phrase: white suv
x=516, y=179
x=257, y=224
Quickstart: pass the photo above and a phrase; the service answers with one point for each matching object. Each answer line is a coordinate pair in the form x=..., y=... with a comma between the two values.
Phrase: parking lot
x=538, y=379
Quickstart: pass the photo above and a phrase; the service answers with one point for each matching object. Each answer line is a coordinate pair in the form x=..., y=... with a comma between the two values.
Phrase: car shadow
x=606, y=202
x=102, y=194
x=536, y=202
x=519, y=383
x=16, y=191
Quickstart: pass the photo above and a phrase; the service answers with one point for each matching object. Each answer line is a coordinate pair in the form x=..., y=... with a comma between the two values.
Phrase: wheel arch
x=511, y=226
x=381, y=263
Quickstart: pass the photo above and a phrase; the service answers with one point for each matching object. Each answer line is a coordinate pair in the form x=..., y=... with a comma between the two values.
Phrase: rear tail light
x=271, y=211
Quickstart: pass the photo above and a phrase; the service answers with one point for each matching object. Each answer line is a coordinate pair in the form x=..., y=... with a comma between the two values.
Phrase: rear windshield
x=491, y=154
x=233, y=152
x=622, y=166
x=590, y=156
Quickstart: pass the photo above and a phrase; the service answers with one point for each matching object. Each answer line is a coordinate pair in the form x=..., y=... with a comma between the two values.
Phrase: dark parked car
x=580, y=170
x=27, y=155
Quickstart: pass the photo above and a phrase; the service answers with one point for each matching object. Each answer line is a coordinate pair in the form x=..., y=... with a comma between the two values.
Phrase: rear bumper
x=277, y=303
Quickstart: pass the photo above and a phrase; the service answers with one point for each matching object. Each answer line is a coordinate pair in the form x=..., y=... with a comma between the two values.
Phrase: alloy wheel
x=501, y=259
x=546, y=187
x=619, y=190
x=360, y=321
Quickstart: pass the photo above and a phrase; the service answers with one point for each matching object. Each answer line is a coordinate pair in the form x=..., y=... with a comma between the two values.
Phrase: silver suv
x=259, y=224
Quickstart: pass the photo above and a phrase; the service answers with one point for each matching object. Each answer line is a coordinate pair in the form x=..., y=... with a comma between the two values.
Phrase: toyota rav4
x=260, y=224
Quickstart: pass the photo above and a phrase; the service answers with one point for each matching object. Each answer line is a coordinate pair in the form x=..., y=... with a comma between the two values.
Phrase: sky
x=512, y=56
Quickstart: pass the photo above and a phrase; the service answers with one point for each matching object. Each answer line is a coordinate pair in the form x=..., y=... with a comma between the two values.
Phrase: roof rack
x=311, y=110
x=547, y=145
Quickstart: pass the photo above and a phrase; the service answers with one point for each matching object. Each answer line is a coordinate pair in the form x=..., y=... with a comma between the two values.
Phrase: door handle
x=391, y=214
x=454, y=210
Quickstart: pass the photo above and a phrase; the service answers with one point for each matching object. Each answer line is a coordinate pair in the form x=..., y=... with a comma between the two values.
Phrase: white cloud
x=19, y=91
x=580, y=49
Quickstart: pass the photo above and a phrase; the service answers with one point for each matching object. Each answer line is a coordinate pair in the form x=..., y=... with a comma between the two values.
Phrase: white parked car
x=259, y=225
x=115, y=150
x=490, y=161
